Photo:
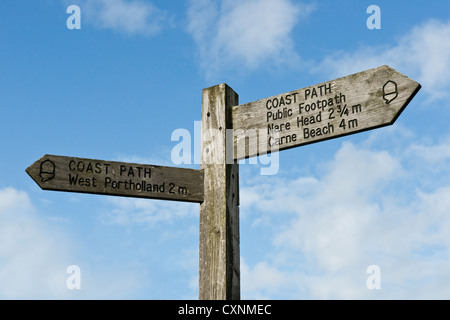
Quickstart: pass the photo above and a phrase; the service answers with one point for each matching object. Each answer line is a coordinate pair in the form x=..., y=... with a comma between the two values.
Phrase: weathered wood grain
x=367, y=100
x=219, y=276
x=71, y=174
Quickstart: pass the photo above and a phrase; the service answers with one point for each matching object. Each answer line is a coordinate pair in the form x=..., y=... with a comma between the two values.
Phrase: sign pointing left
x=60, y=173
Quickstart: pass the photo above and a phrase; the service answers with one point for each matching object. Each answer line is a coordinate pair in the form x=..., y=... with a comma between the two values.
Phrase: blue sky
x=117, y=89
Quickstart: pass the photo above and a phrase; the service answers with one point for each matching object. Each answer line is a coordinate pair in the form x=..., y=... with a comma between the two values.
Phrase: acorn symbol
x=47, y=171
x=389, y=91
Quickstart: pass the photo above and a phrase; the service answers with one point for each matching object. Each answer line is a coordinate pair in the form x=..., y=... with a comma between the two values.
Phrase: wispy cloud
x=32, y=263
x=262, y=279
x=128, y=17
x=246, y=33
x=433, y=153
x=423, y=53
x=128, y=212
x=369, y=207
x=35, y=254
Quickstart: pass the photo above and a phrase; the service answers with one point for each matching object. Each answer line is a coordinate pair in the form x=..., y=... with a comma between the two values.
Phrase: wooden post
x=219, y=276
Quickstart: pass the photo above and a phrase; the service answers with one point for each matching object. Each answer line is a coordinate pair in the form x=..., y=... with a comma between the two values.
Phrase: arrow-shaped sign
x=117, y=178
x=355, y=103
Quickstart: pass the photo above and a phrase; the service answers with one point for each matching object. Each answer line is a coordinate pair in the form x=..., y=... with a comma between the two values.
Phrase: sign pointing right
x=366, y=100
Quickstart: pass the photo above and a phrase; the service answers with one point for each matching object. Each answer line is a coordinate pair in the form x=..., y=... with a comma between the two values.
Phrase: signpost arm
x=219, y=276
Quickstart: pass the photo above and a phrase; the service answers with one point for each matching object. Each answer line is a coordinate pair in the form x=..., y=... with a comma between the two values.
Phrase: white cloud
x=434, y=154
x=422, y=54
x=142, y=212
x=368, y=208
x=261, y=280
x=35, y=254
x=248, y=33
x=32, y=262
x=340, y=208
x=129, y=17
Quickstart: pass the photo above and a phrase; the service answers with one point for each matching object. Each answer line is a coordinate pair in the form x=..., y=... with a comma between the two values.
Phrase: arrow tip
x=41, y=170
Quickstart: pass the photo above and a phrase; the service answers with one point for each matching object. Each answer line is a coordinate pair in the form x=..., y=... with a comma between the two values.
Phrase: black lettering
x=305, y=133
x=327, y=88
x=107, y=181
x=356, y=108
x=278, y=127
x=281, y=140
x=275, y=105
x=352, y=123
x=307, y=93
x=182, y=190
x=288, y=99
x=80, y=166
x=331, y=111
x=73, y=179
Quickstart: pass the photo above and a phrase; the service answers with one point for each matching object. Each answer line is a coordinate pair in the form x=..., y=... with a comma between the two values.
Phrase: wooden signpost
x=355, y=103
x=117, y=178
